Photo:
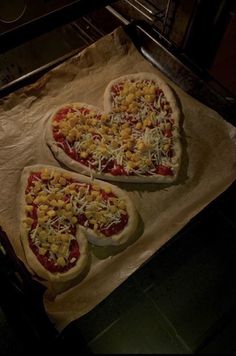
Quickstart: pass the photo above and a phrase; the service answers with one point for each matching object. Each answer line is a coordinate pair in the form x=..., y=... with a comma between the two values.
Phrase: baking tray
x=152, y=48
x=156, y=50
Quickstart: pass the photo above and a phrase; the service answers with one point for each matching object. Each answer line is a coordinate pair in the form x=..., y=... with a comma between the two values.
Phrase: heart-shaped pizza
x=61, y=210
x=135, y=138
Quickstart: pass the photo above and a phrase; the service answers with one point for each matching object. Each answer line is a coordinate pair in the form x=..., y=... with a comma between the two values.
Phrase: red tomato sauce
x=50, y=264
x=45, y=260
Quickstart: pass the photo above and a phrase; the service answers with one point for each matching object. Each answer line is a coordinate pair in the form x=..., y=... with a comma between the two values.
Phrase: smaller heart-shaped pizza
x=60, y=210
x=136, y=138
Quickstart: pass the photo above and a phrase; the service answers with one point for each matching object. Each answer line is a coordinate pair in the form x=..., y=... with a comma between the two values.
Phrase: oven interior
x=35, y=35
x=184, y=39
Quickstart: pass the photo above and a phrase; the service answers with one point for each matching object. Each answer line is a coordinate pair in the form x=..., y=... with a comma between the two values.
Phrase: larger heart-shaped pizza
x=61, y=210
x=135, y=138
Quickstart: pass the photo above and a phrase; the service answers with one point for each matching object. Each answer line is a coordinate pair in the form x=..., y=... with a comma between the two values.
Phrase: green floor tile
x=109, y=310
x=141, y=331
x=198, y=288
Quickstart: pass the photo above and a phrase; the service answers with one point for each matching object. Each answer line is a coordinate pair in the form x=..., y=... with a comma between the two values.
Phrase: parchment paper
x=208, y=166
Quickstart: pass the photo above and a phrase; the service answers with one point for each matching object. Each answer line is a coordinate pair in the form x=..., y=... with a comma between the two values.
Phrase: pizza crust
x=83, y=234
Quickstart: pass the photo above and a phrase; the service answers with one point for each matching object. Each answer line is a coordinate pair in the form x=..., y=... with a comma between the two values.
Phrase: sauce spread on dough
x=55, y=204
x=137, y=138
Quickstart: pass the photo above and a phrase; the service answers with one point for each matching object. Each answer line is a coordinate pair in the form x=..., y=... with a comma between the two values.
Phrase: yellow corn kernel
x=61, y=203
x=133, y=109
x=51, y=238
x=113, y=200
x=93, y=121
x=102, y=219
x=61, y=261
x=55, y=123
x=28, y=221
x=130, y=97
x=132, y=88
x=130, y=165
x=166, y=147
x=70, y=138
x=51, y=213
x=36, y=200
x=114, y=144
x=103, y=150
x=29, y=208
x=89, y=198
x=74, y=219
x=42, y=199
x=125, y=132
x=29, y=198
x=139, y=125
x=152, y=90
x=104, y=117
x=68, y=206
x=37, y=187
x=62, y=181
x=128, y=145
x=67, y=214
x=147, y=122
x=42, y=220
x=45, y=175
x=73, y=132
x=73, y=121
x=148, y=161
x=149, y=98
x=125, y=125
x=65, y=237
x=128, y=154
x=54, y=248
x=84, y=154
x=63, y=249
x=121, y=204
x=40, y=213
x=107, y=190
x=145, y=90
x=64, y=132
x=42, y=193
x=45, y=244
x=95, y=187
x=141, y=146
x=124, y=91
x=95, y=193
x=42, y=235
x=138, y=93
x=92, y=221
x=58, y=196
x=82, y=190
x=66, y=175
x=42, y=251
x=53, y=202
x=78, y=135
x=113, y=209
x=134, y=157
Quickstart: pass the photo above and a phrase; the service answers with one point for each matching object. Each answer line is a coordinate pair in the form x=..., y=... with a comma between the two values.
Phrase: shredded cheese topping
x=55, y=203
x=135, y=139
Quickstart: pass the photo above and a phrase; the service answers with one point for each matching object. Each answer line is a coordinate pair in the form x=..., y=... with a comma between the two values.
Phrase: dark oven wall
x=200, y=32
